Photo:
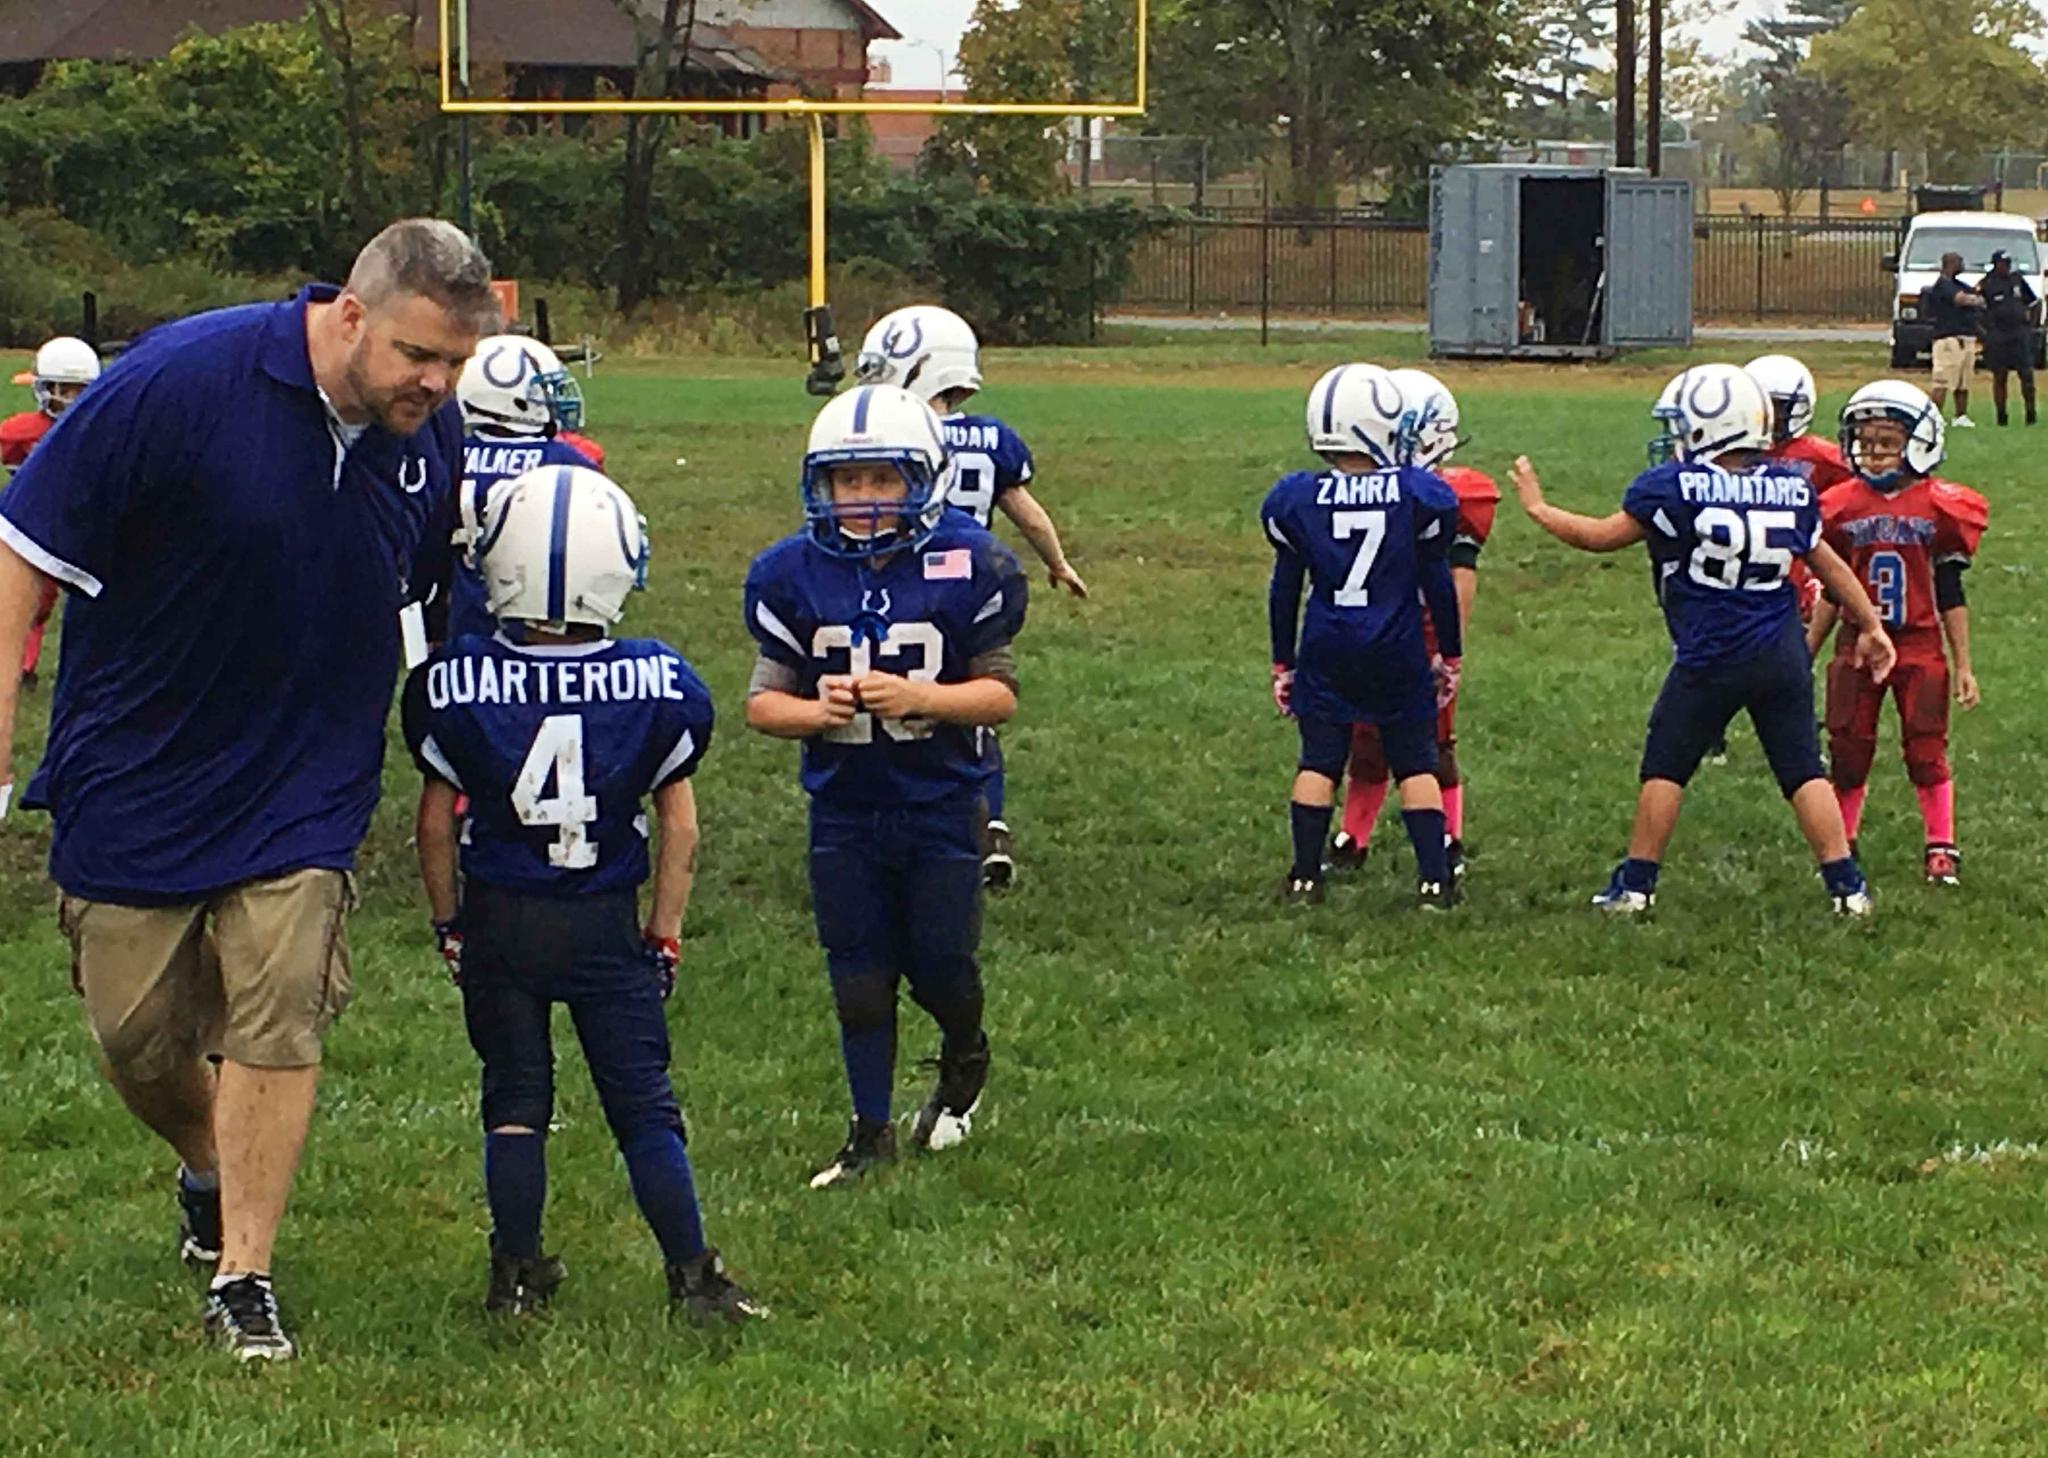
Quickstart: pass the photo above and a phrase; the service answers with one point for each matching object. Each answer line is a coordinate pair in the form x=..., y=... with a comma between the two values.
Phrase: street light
x=945, y=64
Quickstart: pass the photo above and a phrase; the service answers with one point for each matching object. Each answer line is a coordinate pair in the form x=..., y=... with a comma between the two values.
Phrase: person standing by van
x=1953, y=309
x=2008, y=331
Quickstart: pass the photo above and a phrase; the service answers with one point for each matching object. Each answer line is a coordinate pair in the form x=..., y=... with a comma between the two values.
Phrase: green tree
x=1952, y=76
x=1347, y=86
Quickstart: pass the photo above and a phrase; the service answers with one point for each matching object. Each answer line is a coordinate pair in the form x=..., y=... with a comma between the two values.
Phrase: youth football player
x=934, y=353
x=1429, y=433
x=63, y=368
x=885, y=630
x=1371, y=537
x=1909, y=537
x=1724, y=526
x=556, y=734
x=515, y=397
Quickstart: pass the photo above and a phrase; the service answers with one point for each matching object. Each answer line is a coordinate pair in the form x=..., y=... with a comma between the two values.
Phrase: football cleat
x=704, y=1293
x=1454, y=851
x=198, y=1227
x=522, y=1284
x=1344, y=856
x=1944, y=863
x=1618, y=900
x=947, y=1117
x=867, y=1145
x=1853, y=903
x=242, y=1316
x=1437, y=895
x=998, y=860
x=1301, y=891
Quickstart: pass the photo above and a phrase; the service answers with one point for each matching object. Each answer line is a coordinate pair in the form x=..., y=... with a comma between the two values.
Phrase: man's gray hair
x=431, y=259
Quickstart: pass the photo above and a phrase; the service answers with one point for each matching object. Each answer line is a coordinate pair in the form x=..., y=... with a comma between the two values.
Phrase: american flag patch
x=954, y=566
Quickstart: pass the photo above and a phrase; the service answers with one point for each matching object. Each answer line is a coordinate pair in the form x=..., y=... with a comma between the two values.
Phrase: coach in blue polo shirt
x=235, y=508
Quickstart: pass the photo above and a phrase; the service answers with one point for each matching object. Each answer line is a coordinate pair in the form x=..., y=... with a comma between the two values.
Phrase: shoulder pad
x=1471, y=485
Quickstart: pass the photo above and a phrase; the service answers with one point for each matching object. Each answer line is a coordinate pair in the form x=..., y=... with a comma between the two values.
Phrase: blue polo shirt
x=232, y=641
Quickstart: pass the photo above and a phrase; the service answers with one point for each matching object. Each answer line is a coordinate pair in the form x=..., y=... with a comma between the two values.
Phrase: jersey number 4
x=557, y=754
x=1735, y=549
x=902, y=639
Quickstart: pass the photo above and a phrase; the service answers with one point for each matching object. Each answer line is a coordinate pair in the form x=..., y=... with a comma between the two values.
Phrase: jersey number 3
x=924, y=639
x=557, y=754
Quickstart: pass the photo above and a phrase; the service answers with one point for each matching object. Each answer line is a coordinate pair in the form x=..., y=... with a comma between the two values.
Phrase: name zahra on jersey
x=479, y=459
x=1359, y=491
x=1720, y=488
x=961, y=436
x=490, y=681
x=1890, y=531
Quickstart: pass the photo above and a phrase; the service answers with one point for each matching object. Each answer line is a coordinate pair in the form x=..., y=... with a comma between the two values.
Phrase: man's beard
x=384, y=405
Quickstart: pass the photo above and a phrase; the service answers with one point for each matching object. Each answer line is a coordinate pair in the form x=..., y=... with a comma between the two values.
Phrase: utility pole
x=1624, y=83
x=1653, y=134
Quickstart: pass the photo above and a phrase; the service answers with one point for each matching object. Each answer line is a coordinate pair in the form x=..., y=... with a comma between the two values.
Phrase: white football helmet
x=1708, y=410
x=1790, y=387
x=925, y=349
x=513, y=385
x=1926, y=436
x=875, y=423
x=562, y=544
x=1357, y=409
x=1429, y=426
x=63, y=368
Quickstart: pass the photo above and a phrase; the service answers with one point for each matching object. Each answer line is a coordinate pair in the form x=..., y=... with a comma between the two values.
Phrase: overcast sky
x=938, y=23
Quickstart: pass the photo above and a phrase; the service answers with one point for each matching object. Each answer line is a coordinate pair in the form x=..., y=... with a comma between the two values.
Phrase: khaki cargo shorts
x=254, y=974
x=1953, y=360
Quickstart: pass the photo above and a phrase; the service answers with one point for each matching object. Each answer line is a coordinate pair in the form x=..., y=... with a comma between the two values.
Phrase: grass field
x=1250, y=1181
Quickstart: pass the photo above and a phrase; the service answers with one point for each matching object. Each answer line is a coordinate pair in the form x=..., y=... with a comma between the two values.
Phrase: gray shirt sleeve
x=772, y=677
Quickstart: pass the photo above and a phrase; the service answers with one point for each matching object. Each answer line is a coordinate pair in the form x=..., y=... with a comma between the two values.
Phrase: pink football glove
x=1446, y=671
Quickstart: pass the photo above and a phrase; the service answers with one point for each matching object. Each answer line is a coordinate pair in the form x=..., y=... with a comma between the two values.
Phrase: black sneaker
x=867, y=1145
x=198, y=1226
x=948, y=1115
x=1454, y=851
x=704, y=1293
x=520, y=1284
x=998, y=859
x=242, y=1316
x=1300, y=891
x=1436, y=895
x=1344, y=856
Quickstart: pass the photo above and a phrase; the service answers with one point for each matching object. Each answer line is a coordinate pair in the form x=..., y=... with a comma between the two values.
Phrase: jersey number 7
x=1344, y=525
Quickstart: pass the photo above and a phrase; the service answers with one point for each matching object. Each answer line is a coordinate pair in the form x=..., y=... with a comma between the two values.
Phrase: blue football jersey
x=1722, y=545
x=926, y=615
x=984, y=458
x=1366, y=544
x=488, y=461
x=556, y=747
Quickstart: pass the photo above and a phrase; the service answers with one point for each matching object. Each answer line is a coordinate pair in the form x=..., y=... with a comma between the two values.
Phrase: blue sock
x=1639, y=875
x=870, y=1069
x=516, y=1185
x=199, y=1184
x=1843, y=877
x=1311, y=824
x=666, y=1192
x=1426, y=834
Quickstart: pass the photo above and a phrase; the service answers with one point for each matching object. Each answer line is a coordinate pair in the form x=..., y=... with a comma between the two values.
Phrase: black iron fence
x=1353, y=265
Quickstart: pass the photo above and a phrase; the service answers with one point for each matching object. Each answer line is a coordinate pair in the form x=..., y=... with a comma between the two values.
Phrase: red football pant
x=1919, y=686
x=1365, y=782
x=46, y=604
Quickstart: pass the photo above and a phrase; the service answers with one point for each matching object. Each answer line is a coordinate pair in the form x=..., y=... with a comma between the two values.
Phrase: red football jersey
x=1893, y=541
x=1821, y=460
x=584, y=444
x=1477, y=498
x=19, y=433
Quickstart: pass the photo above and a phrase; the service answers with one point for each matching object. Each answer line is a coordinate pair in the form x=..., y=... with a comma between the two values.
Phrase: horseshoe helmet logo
x=412, y=475
x=493, y=371
x=904, y=339
x=1696, y=399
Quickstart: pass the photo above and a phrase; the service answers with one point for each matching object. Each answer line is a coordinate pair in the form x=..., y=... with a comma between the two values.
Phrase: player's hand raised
x=838, y=700
x=1876, y=653
x=1528, y=487
x=1062, y=574
x=890, y=695
x=1283, y=689
x=1967, y=693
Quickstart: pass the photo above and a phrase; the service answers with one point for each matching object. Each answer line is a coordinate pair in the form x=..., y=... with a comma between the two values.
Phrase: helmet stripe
x=860, y=409
x=558, y=548
x=1330, y=399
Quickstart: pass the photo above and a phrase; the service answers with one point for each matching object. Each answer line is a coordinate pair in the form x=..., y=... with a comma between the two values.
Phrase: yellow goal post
x=827, y=365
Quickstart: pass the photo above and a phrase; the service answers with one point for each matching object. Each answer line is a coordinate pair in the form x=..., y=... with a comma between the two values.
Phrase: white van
x=1918, y=263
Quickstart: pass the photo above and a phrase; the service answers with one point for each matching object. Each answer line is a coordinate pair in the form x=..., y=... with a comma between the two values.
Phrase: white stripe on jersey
x=685, y=747
x=765, y=616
